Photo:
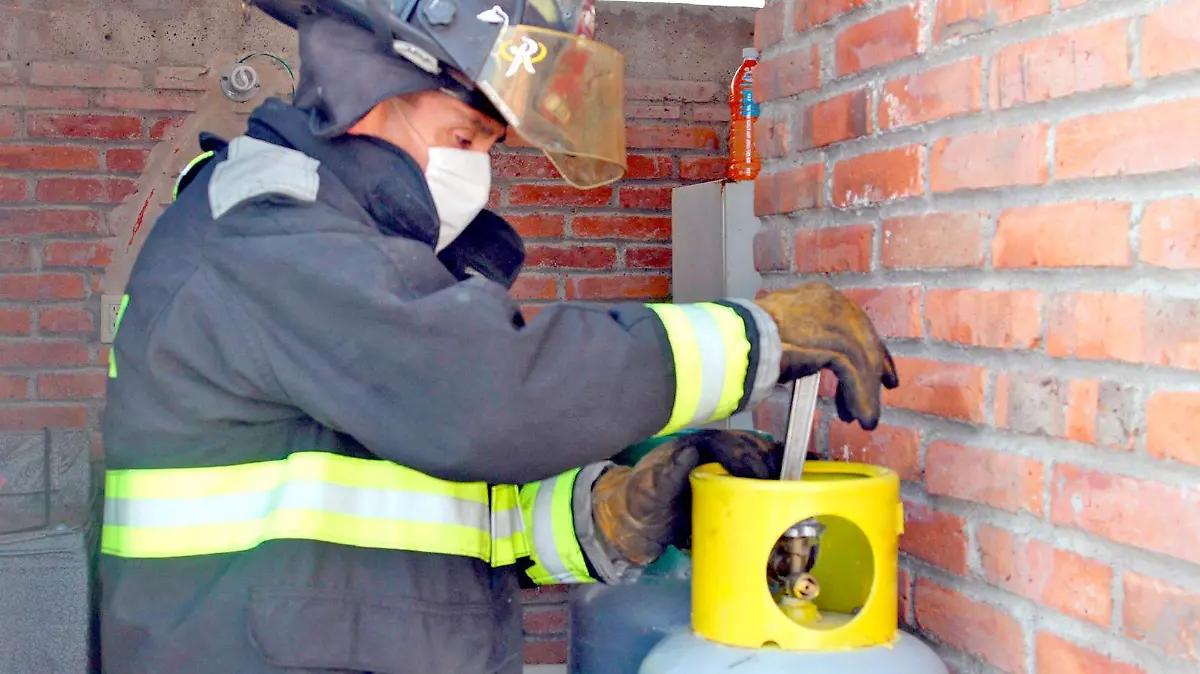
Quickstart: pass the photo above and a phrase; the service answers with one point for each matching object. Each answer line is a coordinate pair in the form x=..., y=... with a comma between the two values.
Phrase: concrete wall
x=1009, y=188
x=99, y=104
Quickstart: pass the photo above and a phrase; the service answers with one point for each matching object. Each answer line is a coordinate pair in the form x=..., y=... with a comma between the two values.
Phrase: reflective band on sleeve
x=508, y=528
x=711, y=355
x=187, y=170
x=112, y=354
x=550, y=523
x=309, y=495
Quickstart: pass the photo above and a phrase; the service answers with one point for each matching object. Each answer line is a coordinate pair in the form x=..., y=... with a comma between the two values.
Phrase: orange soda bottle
x=744, y=163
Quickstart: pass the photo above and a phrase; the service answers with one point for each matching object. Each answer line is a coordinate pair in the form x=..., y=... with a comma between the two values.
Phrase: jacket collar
x=388, y=184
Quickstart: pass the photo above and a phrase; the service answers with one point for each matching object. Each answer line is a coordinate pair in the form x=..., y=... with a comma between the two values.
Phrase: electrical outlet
x=110, y=307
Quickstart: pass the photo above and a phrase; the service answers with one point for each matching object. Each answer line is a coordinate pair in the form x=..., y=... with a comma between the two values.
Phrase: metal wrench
x=799, y=427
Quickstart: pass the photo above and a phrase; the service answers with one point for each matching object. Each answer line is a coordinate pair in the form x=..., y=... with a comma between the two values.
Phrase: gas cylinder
x=795, y=575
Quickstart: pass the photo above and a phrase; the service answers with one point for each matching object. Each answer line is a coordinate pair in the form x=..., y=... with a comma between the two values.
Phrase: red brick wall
x=1010, y=189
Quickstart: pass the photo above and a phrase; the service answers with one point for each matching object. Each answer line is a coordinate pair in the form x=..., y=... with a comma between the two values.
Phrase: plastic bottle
x=743, y=113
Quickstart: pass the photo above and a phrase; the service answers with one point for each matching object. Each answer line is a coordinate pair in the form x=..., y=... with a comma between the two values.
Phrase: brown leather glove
x=639, y=511
x=822, y=328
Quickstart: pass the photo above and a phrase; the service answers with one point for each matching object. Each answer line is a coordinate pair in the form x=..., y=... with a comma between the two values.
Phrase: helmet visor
x=563, y=94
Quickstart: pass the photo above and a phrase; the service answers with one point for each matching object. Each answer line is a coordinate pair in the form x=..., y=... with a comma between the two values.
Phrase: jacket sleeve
x=438, y=378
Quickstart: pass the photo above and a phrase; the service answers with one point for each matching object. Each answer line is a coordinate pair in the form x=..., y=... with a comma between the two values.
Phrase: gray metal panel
x=741, y=277
x=697, y=243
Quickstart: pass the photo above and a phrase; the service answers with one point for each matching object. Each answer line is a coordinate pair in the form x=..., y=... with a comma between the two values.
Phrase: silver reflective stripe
x=254, y=168
x=299, y=495
x=506, y=523
x=712, y=361
x=770, y=353
x=543, y=532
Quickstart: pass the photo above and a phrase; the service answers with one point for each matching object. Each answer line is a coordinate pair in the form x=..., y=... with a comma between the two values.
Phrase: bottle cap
x=749, y=53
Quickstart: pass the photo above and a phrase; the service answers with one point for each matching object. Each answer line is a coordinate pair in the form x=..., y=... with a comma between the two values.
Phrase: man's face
x=434, y=119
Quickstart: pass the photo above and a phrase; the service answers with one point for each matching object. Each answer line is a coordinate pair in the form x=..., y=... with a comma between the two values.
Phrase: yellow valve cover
x=736, y=523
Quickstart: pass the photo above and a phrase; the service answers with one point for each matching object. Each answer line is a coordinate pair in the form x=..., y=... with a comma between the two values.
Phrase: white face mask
x=460, y=181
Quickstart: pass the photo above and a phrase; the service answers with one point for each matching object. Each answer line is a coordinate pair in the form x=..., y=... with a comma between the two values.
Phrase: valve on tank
x=788, y=571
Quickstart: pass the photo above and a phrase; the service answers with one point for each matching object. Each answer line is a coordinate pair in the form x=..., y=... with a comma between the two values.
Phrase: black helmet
x=530, y=63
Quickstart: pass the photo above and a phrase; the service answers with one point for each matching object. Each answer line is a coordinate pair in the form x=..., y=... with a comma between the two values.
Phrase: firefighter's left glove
x=640, y=511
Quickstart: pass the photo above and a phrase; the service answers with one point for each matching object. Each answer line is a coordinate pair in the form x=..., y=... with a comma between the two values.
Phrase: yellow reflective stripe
x=711, y=356
x=190, y=165
x=508, y=533
x=310, y=495
x=548, y=508
x=112, y=354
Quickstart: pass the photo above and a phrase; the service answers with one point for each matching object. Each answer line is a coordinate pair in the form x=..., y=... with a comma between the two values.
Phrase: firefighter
x=333, y=445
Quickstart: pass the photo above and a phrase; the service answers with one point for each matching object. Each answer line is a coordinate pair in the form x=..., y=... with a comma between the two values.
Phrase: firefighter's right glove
x=640, y=511
x=822, y=328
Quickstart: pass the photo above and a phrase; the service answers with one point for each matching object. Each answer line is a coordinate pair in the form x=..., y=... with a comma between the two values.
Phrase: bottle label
x=747, y=107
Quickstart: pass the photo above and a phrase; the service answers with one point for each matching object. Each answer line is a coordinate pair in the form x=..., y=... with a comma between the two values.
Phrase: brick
x=949, y=390
x=42, y=353
x=671, y=90
x=792, y=190
x=770, y=249
x=935, y=94
x=35, y=418
x=834, y=249
x=9, y=123
x=904, y=597
x=191, y=78
x=538, y=225
x=711, y=113
x=1169, y=40
x=837, y=119
x=15, y=321
x=1118, y=422
x=879, y=177
x=1080, y=234
x=618, y=287
x=84, y=190
x=77, y=254
x=544, y=621
x=531, y=311
x=895, y=311
x=571, y=257
x=648, y=167
x=495, y=198
x=9, y=73
x=994, y=319
x=648, y=257
x=149, y=100
x=1086, y=59
x=639, y=227
x=557, y=195
x=65, y=319
x=645, y=198
x=71, y=385
x=535, y=286
x=1170, y=234
x=672, y=137
x=545, y=652
x=1096, y=326
x=959, y=18
x=1172, y=333
x=935, y=537
x=938, y=240
x=1037, y=404
x=1173, y=426
x=1149, y=515
x=971, y=626
x=42, y=287
x=1149, y=139
x=787, y=74
x=702, y=168
x=126, y=161
x=522, y=166
x=84, y=74
x=768, y=25
x=18, y=222
x=894, y=447
x=878, y=41
x=26, y=97
x=48, y=158
x=1005, y=481
x=773, y=137
x=13, y=388
x=1000, y=158
x=1051, y=577
x=810, y=13
x=15, y=255
x=163, y=127
x=1163, y=615
x=98, y=127
x=1056, y=654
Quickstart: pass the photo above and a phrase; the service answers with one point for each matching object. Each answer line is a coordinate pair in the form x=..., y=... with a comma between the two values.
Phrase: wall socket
x=110, y=306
